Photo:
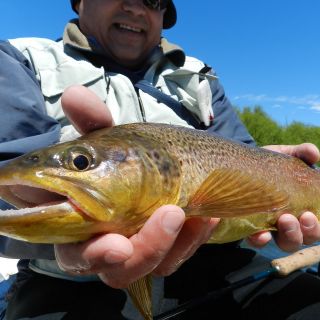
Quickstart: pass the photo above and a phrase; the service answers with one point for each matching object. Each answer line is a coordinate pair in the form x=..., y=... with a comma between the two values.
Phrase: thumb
x=85, y=110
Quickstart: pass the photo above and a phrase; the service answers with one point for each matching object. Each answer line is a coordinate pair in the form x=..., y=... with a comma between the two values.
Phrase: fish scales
x=135, y=168
x=113, y=179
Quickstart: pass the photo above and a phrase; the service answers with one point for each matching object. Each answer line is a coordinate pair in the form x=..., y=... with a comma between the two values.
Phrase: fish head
x=73, y=190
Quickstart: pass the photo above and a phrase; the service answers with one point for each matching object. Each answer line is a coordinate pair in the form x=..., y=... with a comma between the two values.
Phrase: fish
x=113, y=179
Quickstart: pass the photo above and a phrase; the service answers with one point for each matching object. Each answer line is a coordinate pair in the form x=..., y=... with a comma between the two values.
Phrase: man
x=114, y=51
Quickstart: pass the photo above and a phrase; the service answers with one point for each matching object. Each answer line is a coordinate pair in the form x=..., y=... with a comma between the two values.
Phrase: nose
x=134, y=6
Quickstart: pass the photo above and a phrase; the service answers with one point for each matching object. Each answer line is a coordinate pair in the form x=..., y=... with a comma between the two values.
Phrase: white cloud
x=316, y=107
x=310, y=101
x=251, y=97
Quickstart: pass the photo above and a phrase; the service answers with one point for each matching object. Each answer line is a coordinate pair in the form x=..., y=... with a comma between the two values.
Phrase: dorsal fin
x=231, y=193
x=140, y=293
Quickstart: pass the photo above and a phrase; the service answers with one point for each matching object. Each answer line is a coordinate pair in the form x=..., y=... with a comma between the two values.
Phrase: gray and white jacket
x=53, y=66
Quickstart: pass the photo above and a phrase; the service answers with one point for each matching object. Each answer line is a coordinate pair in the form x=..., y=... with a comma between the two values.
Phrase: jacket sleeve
x=24, y=126
x=226, y=121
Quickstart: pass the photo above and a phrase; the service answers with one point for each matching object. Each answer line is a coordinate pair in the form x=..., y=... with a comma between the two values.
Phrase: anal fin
x=140, y=293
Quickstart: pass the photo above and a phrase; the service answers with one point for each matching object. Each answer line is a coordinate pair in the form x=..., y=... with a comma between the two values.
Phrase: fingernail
x=172, y=221
x=265, y=237
x=76, y=265
x=308, y=222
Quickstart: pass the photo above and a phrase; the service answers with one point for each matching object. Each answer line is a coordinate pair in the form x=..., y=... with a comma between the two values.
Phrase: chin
x=130, y=62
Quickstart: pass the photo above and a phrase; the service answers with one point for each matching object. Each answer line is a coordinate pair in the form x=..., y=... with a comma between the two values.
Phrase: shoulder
x=23, y=44
x=9, y=50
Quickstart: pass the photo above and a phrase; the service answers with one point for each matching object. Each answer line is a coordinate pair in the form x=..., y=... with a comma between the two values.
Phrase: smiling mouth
x=127, y=27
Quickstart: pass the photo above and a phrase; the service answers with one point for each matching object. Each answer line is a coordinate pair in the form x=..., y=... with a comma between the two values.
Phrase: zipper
x=143, y=113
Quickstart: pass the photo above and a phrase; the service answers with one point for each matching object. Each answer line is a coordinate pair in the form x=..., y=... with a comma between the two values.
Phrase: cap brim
x=170, y=16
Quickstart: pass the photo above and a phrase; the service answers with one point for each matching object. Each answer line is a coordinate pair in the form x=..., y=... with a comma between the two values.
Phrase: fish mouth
x=42, y=216
x=30, y=196
x=25, y=197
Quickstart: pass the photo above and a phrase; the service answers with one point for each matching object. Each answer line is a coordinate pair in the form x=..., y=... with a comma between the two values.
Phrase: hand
x=293, y=232
x=160, y=247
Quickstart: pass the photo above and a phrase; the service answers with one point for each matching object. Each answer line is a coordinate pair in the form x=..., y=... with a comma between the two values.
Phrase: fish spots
x=155, y=154
x=168, y=167
x=155, y=157
x=165, y=167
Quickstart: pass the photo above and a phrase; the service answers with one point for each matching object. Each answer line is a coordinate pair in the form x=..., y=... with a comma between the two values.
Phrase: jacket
x=53, y=66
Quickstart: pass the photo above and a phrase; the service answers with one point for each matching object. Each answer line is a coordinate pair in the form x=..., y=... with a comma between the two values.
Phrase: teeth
x=126, y=27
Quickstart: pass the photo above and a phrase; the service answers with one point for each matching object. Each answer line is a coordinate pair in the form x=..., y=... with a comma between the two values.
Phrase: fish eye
x=80, y=162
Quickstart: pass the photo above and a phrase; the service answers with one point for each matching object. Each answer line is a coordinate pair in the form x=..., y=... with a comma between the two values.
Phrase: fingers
x=292, y=233
x=194, y=233
x=289, y=236
x=310, y=228
x=151, y=244
x=120, y=261
x=85, y=110
x=93, y=255
x=260, y=239
x=307, y=152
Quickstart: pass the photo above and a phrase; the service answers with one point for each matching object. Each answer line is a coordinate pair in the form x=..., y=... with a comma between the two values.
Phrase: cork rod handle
x=300, y=259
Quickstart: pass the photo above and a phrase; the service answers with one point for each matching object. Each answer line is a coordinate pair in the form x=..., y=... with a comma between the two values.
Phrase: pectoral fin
x=140, y=293
x=228, y=193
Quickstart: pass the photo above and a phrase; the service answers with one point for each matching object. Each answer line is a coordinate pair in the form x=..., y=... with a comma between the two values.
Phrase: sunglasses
x=155, y=4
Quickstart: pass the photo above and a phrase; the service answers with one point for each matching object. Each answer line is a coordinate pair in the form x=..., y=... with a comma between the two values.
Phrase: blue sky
x=265, y=52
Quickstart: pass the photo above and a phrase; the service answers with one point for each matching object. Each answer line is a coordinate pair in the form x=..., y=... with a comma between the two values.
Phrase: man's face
x=126, y=29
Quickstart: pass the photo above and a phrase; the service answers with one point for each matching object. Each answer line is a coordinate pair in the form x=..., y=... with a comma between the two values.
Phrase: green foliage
x=266, y=131
x=263, y=129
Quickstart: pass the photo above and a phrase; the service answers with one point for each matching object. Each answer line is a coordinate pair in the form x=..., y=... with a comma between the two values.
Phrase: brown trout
x=113, y=179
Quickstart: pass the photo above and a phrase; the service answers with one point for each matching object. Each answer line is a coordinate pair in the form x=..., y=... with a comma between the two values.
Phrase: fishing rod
x=281, y=267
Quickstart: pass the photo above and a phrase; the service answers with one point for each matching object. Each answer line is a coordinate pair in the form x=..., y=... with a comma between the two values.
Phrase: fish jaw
x=52, y=223
x=80, y=194
x=54, y=218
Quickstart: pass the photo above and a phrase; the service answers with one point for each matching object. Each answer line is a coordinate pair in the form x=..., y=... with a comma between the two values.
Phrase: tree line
x=267, y=131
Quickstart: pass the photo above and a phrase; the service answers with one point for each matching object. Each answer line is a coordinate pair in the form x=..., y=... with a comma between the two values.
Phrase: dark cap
x=169, y=19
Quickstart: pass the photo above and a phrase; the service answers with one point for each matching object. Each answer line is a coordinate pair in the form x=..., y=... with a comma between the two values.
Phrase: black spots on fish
x=166, y=165
x=170, y=143
x=157, y=160
x=154, y=155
